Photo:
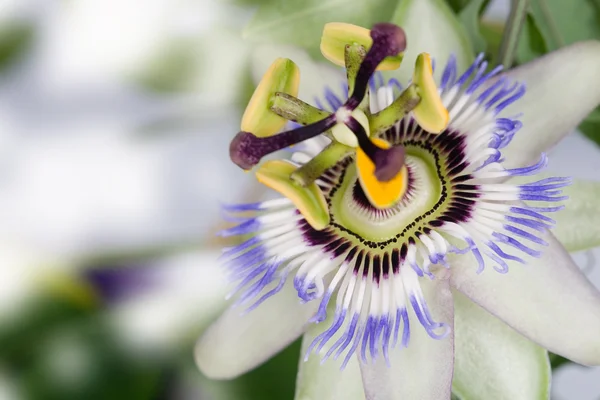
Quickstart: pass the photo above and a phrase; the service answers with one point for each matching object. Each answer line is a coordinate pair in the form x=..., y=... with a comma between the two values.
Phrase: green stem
x=387, y=117
x=296, y=110
x=326, y=159
x=512, y=30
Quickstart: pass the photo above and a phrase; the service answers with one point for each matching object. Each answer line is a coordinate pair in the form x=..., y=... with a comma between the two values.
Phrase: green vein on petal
x=578, y=224
x=326, y=381
x=493, y=361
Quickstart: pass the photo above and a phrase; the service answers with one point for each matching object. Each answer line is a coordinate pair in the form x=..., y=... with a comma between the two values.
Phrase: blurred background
x=115, y=119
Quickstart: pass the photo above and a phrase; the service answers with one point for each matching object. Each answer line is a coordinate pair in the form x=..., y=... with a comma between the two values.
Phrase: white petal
x=423, y=370
x=492, y=360
x=578, y=225
x=548, y=300
x=237, y=343
x=431, y=27
x=562, y=88
x=326, y=381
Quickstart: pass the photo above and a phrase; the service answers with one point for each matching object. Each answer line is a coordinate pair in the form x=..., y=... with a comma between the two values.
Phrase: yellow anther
x=309, y=199
x=282, y=76
x=344, y=135
x=336, y=35
x=430, y=113
x=381, y=194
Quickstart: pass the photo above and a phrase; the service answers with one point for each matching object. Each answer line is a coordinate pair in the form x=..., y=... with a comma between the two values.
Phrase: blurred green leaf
x=140, y=254
x=15, y=39
x=470, y=17
x=173, y=69
x=492, y=34
x=301, y=23
x=274, y=380
x=458, y=5
x=557, y=361
x=431, y=26
x=591, y=126
x=277, y=378
x=84, y=361
x=513, y=28
x=531, y=44
x=20, y=337
x=560, y=23
x=563, y=22
x=250, y=2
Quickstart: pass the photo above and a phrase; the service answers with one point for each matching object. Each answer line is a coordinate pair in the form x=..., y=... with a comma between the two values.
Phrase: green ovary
x=379, y=226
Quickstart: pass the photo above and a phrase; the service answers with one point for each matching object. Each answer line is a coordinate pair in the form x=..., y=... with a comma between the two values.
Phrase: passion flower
x=388, y=187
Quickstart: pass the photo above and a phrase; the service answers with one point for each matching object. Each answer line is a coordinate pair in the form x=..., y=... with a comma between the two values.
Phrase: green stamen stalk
x=386, y=118
x=294, y=109
x=326, y=159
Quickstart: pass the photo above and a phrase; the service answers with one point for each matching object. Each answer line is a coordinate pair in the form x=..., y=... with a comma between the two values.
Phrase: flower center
x=427, y=197
x=363, y=258
x=351, y=209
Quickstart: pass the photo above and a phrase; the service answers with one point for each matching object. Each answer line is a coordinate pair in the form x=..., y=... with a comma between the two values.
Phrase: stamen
x=337, y=35
x=282, y=76
x=293, y=109
x=430, y=113
x=309, y=200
